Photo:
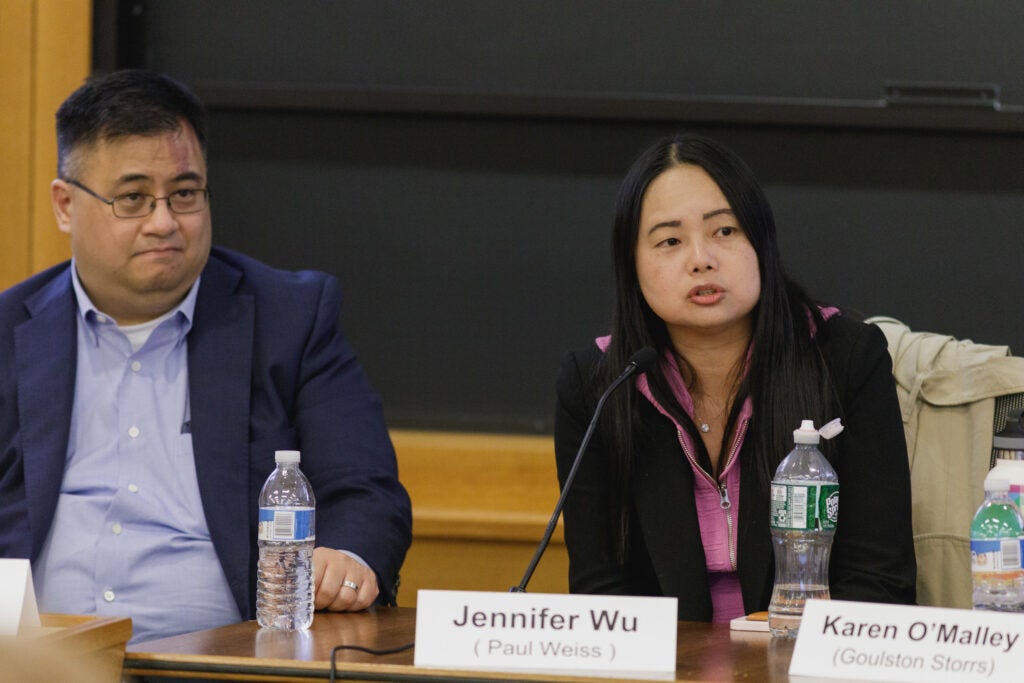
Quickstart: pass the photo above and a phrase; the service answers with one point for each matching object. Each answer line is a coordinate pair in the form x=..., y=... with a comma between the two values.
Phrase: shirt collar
x=186, y=308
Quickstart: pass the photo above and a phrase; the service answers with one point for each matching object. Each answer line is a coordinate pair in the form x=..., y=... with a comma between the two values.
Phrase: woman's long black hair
x=787, y=379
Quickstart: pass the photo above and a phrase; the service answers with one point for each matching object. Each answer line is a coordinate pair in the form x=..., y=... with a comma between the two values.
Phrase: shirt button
x=116, y=528
x=136, y=366
x=134, y=432
x=133, y=488
x=108, y=595
x=101, y=318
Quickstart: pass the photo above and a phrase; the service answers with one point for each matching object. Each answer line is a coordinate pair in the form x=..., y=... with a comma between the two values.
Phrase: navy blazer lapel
x=220, y=374
x=45, y=348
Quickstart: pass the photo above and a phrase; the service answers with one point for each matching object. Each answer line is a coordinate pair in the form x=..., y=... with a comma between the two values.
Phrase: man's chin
x=164, y=281
x=168, y=274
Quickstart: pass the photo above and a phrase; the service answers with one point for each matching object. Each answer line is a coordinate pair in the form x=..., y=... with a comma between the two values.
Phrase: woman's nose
x=701, y=258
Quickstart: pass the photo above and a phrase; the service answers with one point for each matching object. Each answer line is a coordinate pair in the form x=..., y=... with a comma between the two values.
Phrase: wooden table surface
x=89, y=649
x=706, y=652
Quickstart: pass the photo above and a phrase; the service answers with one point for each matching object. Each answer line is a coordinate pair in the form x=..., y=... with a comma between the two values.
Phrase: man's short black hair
x=120, y=104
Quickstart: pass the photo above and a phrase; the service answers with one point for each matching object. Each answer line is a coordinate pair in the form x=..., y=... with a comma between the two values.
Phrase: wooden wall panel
x=63, y=59
x=480, y=505
x=15, y=143
x=45, y=48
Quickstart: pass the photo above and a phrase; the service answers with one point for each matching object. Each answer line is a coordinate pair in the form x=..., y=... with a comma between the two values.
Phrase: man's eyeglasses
x=139, y=205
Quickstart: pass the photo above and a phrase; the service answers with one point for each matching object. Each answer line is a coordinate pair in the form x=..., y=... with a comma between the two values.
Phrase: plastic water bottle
x=804, y=512
x=1008, y=454
x=284, y=577
x=995, y=551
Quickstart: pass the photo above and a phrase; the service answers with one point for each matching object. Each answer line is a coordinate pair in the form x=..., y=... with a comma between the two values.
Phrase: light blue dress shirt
x=129, y=536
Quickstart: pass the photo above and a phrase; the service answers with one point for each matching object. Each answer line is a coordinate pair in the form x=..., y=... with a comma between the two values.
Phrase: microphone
x=639, y=362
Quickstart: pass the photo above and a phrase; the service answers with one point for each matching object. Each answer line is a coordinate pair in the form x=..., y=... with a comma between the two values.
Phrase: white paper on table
x=18, y=609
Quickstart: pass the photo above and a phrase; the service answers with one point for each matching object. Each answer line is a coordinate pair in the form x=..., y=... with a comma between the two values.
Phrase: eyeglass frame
x=152, y=207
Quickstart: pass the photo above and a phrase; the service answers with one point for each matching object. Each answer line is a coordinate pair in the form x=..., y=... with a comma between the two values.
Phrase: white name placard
x=874, y=642
x=18, y=608
x=612, y=635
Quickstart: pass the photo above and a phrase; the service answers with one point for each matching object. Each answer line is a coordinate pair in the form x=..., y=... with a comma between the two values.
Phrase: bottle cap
x=1011, y=437
x=997, y=486
x=286, y=456
x=807, y=433
x=831, y=429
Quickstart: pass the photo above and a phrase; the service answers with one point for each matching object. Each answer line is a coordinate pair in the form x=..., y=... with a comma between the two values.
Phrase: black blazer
x=872, y=554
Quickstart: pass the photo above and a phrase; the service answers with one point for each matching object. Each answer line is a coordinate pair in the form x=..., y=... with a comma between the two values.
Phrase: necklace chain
x=704, y=425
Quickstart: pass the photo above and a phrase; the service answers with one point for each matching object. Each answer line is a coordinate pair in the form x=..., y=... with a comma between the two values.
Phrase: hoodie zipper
x=723, y=490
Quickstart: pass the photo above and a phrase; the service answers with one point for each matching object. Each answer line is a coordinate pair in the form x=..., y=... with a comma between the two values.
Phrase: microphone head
x=643, y=359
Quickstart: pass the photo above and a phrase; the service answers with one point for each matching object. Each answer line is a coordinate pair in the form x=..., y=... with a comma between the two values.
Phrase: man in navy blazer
x=263, y=366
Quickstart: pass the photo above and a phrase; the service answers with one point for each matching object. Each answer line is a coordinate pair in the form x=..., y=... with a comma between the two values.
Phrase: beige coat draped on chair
x=947, y=390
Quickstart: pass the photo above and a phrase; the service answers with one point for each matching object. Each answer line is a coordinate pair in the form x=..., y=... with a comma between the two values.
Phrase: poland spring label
x=805, y=505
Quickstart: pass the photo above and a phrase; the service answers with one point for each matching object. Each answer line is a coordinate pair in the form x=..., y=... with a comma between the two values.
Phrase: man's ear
x=60, y=198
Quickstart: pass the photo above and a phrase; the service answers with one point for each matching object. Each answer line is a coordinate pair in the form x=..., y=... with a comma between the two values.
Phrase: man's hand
x=342, y=583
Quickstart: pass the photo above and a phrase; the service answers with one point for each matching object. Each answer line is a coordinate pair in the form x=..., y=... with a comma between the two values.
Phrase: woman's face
x=696, y=268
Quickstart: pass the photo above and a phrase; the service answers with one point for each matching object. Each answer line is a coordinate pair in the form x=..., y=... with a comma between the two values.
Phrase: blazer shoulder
x=855, y=351
x=283, y=302
x=250, y=273
x=581, y=364
x=577, y=380
x=34, y=292
x=843, y=335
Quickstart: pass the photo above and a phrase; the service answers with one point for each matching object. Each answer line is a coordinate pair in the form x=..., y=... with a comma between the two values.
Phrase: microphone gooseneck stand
x=638, y=363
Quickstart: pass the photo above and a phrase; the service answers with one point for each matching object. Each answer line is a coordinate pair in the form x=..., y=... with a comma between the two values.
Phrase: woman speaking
x=672, y=495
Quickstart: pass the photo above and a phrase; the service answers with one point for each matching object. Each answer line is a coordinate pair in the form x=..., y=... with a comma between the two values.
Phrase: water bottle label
x=284, y=524
x=995, y=555
x=805, y=506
